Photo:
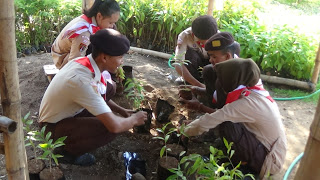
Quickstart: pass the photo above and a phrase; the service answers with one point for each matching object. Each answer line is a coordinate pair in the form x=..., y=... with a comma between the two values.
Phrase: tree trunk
x=309, y=167
x=316, y=69
x=86, y=4
x=15, y=154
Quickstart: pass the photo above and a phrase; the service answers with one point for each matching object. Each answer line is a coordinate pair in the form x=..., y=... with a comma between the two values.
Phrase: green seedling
x=31, y=137
x=120, y=73
x=165, y=138
x=48, y=146
x=194, y=164
x=135, y=91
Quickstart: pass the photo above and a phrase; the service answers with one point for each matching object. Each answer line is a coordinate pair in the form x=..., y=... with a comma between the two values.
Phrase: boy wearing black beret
x=78, y=104
x=220, y=47
x=190, y=46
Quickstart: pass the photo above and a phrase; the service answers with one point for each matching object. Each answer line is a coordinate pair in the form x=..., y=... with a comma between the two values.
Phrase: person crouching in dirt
x=220, y=47
x=249, y=118
x=78, y=104
x=190, y=47
x=73, y=40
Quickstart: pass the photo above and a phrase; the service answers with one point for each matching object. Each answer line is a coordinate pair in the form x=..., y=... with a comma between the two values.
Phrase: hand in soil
x=140, y=117
x=191, y=104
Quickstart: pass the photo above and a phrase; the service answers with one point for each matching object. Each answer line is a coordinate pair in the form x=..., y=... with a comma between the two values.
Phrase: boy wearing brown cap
x=190, y=46
x=220, y=47
x=77, y=102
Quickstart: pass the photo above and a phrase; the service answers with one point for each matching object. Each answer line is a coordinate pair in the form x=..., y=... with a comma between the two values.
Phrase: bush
x=155, y=24
x=38, y=22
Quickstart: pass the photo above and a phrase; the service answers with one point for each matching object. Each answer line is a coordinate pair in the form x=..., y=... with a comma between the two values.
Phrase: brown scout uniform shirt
x=261, y=117
x=63, y=49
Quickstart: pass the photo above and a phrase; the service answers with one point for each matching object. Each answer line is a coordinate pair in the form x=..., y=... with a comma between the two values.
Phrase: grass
x=289, y=93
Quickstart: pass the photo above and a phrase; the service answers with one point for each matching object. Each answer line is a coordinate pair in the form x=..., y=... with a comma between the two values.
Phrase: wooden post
x=309, y=167
x=316, y=68
x=86, y=4
x=210, y=7
x=15, y=153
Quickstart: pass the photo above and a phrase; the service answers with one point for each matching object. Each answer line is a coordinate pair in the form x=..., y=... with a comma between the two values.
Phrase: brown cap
x=110, y=42
x=203, y=27
x=219, y=41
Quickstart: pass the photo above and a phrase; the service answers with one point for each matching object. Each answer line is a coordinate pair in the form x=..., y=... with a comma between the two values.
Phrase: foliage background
x=155, y=24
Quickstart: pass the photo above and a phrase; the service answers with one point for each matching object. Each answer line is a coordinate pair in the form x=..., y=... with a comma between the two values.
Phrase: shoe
x=86, y=159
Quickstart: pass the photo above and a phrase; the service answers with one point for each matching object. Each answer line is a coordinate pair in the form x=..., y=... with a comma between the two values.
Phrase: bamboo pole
x=316, y=69
x=271, y=79
x=15, y=154
x=309, y=167
x=86, y=4
x=210, y=7
x=151, y=52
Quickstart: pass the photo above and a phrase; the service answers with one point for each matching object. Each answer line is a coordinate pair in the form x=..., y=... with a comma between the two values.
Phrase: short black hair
x=233, y=48
x=105, y=7
x=203, y=27
x=95, y=51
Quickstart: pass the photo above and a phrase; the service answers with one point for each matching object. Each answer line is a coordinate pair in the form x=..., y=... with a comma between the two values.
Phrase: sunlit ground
x=276, y=14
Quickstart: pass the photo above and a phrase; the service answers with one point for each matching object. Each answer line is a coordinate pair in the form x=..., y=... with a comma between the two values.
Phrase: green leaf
x=61, y=139
x=48, y=135
x=26, y=116
x=231, y=154
x=166, y=138
x=161, y=138
x=162, y=151
x=44, y=146
x=45, y=154
x=55, y=159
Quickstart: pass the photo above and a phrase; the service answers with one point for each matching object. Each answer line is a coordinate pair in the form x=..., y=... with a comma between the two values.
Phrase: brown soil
x=52, y=174
x=296, y=115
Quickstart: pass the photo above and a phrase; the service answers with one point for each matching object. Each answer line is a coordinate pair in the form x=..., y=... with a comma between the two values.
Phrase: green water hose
x=295, y=98
x=169, y=62
x=295, y=161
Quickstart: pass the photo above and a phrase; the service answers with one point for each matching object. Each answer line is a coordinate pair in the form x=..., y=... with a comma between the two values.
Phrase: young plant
x=212, y=168
x=48, y=146
x=120, y=74
x=134, y=91
x=31, y=134
x=165, y=138
x=181, y=62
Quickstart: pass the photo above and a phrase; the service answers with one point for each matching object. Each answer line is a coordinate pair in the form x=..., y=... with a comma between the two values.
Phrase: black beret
x=203, y=27
x=219, y=41
x=110, y=42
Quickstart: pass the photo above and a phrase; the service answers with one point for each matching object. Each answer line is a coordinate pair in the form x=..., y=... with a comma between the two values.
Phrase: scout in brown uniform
x=220, y=47
x=73, y=41
x=77, y=102
x=249, y=118
x=190, y=46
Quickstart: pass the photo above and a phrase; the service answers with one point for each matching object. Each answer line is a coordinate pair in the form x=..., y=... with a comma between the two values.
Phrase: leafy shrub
x=217, y=166
x=39, y=21
x=155, y=24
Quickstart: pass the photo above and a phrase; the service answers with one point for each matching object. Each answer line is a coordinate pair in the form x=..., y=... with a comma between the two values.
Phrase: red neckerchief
x=86, y=62
x=80, y=27
x=198, y=42
x=235, y=94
